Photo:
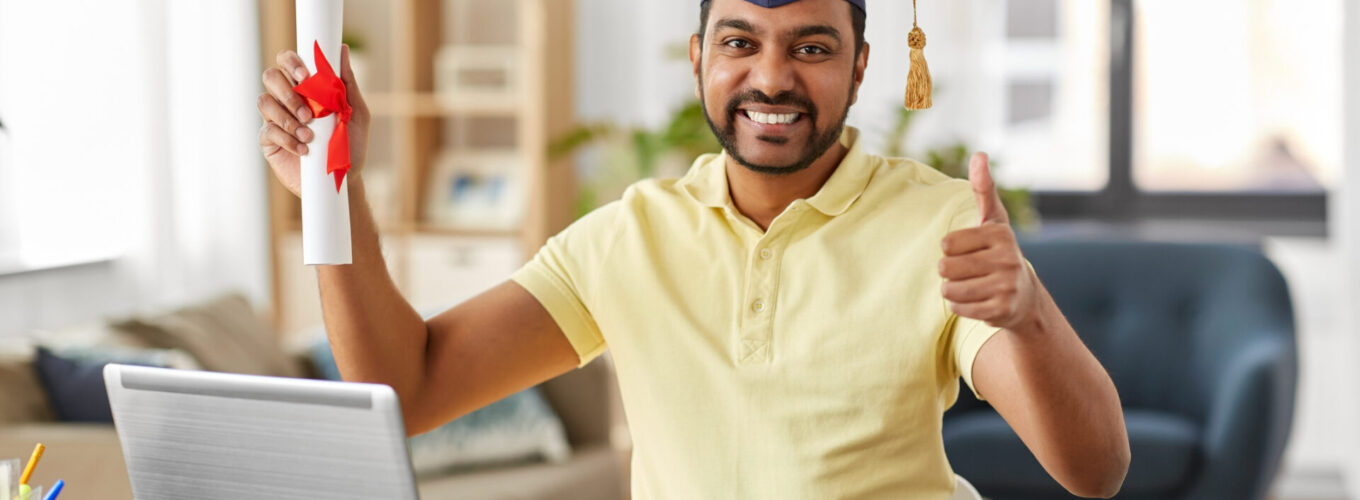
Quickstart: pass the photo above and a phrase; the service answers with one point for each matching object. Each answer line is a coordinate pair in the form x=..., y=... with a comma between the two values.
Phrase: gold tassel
x=918, y=79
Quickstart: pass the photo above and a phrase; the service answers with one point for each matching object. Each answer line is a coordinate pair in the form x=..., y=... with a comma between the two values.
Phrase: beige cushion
x=88, y=335
x=223, y=334
x=593, y=473
x=22, y=398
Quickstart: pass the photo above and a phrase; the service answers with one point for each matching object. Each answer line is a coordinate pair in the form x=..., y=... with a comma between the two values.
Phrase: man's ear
x=861, y=65
x=696, y=58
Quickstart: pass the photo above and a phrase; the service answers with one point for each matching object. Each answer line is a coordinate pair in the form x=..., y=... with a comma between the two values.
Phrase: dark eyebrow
x=816, y=29
x=736, y=24
x=799, y=32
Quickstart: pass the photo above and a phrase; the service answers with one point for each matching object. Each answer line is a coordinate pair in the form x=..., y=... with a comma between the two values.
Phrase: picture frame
x=476, y=190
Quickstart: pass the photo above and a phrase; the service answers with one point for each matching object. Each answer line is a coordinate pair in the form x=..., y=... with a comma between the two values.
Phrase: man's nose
x=772, y=74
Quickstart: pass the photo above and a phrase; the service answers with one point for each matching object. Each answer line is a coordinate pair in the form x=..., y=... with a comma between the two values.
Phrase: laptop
x=209, y=436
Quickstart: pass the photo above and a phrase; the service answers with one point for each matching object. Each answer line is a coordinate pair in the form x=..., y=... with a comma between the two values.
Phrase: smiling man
x=789, y=320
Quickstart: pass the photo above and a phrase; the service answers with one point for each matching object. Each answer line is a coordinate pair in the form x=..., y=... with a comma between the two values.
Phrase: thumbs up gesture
x=985, y=276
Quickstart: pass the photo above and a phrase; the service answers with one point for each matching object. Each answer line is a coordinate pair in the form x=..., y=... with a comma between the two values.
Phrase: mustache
x=785, y=98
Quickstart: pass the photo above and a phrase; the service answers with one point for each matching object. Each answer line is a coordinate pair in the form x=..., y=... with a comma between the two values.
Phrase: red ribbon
x=325, y=94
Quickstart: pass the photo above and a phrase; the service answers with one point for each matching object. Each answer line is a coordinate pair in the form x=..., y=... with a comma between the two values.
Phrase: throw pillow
x=224, y=335
x=519, y=428
x=76, y=387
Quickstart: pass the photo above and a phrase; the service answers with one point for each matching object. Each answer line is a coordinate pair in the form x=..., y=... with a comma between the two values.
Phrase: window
x=1051, y=128
x=1146, y=109
x=69, y=98
x=1250, y=106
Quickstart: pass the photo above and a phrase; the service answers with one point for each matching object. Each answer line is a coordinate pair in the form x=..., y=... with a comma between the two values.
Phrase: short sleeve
x=968, y=338
x=559, y=277
x=966, y=335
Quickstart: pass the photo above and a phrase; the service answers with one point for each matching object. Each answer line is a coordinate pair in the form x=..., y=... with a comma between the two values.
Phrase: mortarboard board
x=776, y=3
x=918, y=79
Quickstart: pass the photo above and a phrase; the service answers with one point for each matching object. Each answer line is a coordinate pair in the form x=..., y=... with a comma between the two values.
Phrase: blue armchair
x=1199, y=340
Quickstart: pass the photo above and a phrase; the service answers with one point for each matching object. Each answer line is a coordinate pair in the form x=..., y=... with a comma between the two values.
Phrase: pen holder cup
x=9, y=478
x=10, y=470
x=35, y=494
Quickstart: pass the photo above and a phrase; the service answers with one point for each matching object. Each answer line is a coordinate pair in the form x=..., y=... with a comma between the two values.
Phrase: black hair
x=857, y=19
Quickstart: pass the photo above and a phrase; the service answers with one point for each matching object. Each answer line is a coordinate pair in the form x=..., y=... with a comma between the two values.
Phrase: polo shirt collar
x=707, y=183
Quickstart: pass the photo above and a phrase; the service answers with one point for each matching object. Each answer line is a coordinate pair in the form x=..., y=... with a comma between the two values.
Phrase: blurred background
x=132, y=186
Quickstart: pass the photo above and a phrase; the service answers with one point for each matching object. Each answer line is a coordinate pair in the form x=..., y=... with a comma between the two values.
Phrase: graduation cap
x=918, y=79
x=776, y=3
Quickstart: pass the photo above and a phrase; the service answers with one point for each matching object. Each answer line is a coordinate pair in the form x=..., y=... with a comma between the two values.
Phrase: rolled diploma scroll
x=325, y=212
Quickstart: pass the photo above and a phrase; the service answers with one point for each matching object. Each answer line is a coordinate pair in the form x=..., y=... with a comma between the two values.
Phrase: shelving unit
x=416, y=126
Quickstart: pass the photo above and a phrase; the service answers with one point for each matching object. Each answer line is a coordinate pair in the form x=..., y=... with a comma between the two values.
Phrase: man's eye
x=738, y=44
x=811, y=50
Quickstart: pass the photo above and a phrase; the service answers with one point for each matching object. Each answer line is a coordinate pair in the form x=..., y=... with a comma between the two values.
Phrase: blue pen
x=56, y=488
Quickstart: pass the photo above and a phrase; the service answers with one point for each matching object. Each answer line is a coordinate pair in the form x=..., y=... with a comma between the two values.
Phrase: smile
x=771, y=124
x=773, y=118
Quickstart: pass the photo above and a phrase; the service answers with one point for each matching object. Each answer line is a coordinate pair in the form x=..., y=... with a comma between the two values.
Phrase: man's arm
x=487, y=348
x=1059, y=400
x=1036, y=372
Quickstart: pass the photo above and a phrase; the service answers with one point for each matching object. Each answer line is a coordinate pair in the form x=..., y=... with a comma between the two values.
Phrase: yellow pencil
x=32, y=462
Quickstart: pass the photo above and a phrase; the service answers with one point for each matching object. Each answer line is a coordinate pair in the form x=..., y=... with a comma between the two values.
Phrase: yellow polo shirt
x=812, y=360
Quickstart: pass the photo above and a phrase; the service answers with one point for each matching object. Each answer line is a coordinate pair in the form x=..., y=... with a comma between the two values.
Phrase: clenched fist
x=285, y=136
x=985, y=276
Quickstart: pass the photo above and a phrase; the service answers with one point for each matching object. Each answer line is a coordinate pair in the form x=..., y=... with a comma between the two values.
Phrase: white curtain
x=9, y=241
x=133, y=157
x=69, y=90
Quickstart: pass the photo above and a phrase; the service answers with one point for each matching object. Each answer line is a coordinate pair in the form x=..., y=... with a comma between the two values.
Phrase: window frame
x=1122, y=200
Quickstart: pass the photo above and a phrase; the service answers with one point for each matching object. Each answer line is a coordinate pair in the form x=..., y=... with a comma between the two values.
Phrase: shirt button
x=758, y=305
x=766, y=253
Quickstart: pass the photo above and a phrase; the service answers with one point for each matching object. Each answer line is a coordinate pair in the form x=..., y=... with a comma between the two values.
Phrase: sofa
x=1199, y=340
x=225, y=334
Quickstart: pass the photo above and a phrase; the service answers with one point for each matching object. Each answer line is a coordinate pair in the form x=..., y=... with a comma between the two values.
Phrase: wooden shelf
x=442, y=230
x=432, y=262
x=434, y=105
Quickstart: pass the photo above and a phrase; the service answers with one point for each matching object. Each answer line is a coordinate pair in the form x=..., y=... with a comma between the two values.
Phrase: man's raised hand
x=284, y=135
x=985, y=275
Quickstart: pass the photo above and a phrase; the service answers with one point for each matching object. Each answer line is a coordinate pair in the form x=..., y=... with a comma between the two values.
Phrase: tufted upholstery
x=1199, y=340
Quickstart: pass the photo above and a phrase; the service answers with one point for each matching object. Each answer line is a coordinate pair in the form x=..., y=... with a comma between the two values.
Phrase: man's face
x=776, y=84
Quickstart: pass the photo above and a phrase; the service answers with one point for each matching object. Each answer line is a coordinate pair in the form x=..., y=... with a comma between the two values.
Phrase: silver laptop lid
x=203, y=435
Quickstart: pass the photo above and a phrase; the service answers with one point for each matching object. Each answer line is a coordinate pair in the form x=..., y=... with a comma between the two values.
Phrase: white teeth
x=772, y=119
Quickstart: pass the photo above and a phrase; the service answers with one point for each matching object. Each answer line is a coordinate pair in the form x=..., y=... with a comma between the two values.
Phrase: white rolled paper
x=325, y=212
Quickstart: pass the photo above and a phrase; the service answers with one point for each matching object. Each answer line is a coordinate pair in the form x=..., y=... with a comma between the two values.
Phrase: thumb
x=347, y=76
x=984, y=190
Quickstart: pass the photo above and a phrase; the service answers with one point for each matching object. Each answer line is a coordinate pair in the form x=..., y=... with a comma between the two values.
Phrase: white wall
x=1346, y=209
x=1346, y=223
x=190, y=181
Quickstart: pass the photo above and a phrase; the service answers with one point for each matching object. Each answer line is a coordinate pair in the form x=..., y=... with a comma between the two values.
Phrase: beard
x=820, y=140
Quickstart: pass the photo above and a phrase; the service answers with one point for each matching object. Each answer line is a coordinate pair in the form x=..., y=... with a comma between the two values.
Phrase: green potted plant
x=952, y=160
x=358, y=55
x=632, y=154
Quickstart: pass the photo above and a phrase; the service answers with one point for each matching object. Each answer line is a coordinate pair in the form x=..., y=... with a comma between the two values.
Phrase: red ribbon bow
x=325, y=94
